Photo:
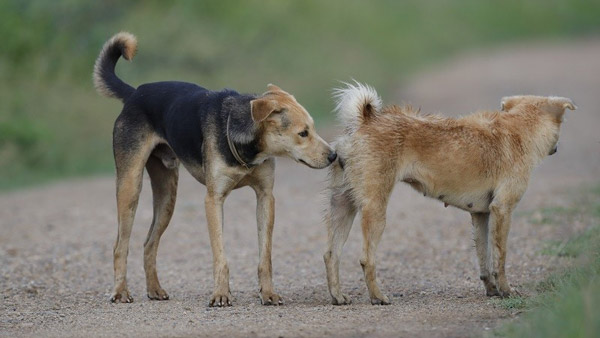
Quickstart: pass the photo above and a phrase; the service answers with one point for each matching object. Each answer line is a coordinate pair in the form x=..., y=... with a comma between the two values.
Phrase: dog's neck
x=537, y=134
x=240, y=135
x=232, y=146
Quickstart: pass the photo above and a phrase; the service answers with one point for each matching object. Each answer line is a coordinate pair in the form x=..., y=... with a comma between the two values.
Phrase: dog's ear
x=563, y=102
x=261, y=108
x=508, y=102
x=273, y=88
x=556, y=105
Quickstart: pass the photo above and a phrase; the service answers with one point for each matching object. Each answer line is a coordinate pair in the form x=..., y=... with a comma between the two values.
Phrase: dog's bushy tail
x=355, y=104
x=105, y=80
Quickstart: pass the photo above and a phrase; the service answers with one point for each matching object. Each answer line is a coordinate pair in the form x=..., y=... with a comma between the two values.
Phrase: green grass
x=511, y=303
x=573, y=247
x=551, y=215
x=566, y=301
x=53, y=124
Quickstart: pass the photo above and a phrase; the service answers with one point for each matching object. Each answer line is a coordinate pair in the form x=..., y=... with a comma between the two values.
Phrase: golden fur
x=480, y=163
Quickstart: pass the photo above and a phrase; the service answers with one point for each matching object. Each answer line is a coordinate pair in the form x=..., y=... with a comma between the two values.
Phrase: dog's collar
x=232, y=146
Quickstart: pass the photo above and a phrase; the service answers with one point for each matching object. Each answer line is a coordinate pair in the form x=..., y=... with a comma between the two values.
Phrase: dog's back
x=183, y=114
x=458, y=161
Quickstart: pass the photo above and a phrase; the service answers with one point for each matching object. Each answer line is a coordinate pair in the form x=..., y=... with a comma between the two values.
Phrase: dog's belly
x=170, y=160
x=196, y=170
x=471, y=201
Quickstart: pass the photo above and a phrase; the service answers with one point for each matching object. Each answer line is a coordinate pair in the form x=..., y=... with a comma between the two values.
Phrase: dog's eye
x=303, y=133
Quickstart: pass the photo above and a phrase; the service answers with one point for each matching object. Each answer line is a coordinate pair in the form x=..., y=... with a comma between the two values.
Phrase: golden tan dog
x=226, y=140
x=480, y=163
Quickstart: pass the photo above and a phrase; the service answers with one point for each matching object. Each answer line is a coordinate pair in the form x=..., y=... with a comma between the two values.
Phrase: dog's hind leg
x=131, y=150
x=164, y=192
x=374, y=205
x=338, y=219
x=480, y=229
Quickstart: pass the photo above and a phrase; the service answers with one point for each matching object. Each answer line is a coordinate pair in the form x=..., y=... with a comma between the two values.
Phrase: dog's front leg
x=500, y=219
x=480, y=229
x=262, y=180
x=265, y=217
x=214, y=216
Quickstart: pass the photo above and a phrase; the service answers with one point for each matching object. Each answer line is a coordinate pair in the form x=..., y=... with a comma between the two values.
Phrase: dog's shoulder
x=216, y=116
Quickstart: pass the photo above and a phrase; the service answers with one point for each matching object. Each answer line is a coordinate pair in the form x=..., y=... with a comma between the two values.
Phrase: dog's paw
x=158, y=294
x=505, y=292
x=383, y=300
x=270, y=298
x=341, y=299
x=220, y=300
x=489, y=282
x=492, y=292
x=121, y=297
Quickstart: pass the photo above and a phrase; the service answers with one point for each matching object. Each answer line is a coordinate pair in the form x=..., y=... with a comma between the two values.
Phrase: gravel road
x=56, y=241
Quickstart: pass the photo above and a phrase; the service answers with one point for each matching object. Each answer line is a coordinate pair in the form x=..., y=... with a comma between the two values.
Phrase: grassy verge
x=566, y=302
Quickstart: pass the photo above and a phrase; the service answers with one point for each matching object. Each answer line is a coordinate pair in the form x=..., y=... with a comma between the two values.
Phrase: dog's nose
x=332, y=156
x=554, y=150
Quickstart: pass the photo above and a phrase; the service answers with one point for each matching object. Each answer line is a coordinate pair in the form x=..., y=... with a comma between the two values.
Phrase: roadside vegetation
x=565, y=303
x=53, y=124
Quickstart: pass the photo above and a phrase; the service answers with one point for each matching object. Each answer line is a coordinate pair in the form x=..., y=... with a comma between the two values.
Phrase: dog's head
x=551, y=108
x=288, y=129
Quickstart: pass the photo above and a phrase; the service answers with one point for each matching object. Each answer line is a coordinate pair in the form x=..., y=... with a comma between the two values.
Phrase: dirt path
x=56, y=241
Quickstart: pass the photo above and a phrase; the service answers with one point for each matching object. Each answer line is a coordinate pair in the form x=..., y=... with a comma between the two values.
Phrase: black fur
x=184, y=114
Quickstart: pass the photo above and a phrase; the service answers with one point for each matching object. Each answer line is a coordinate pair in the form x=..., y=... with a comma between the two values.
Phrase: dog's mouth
x=313, y=166
x=306, y=164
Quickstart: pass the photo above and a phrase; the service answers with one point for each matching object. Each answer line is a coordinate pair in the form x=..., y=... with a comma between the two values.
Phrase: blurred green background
x=53, y=124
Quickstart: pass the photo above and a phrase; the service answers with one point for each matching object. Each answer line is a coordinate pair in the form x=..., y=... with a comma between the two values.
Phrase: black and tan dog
x=480, y=163
x=224, y=139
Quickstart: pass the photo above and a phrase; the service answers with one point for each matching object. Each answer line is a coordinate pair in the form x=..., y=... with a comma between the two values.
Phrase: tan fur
x=480, y=163
x=282, y=133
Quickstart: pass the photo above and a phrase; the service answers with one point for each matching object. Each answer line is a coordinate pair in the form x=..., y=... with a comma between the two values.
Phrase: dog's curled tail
x=105, y=80
x=355, y=104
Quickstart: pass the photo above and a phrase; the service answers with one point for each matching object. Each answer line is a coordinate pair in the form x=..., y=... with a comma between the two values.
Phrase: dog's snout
x=332, y=156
